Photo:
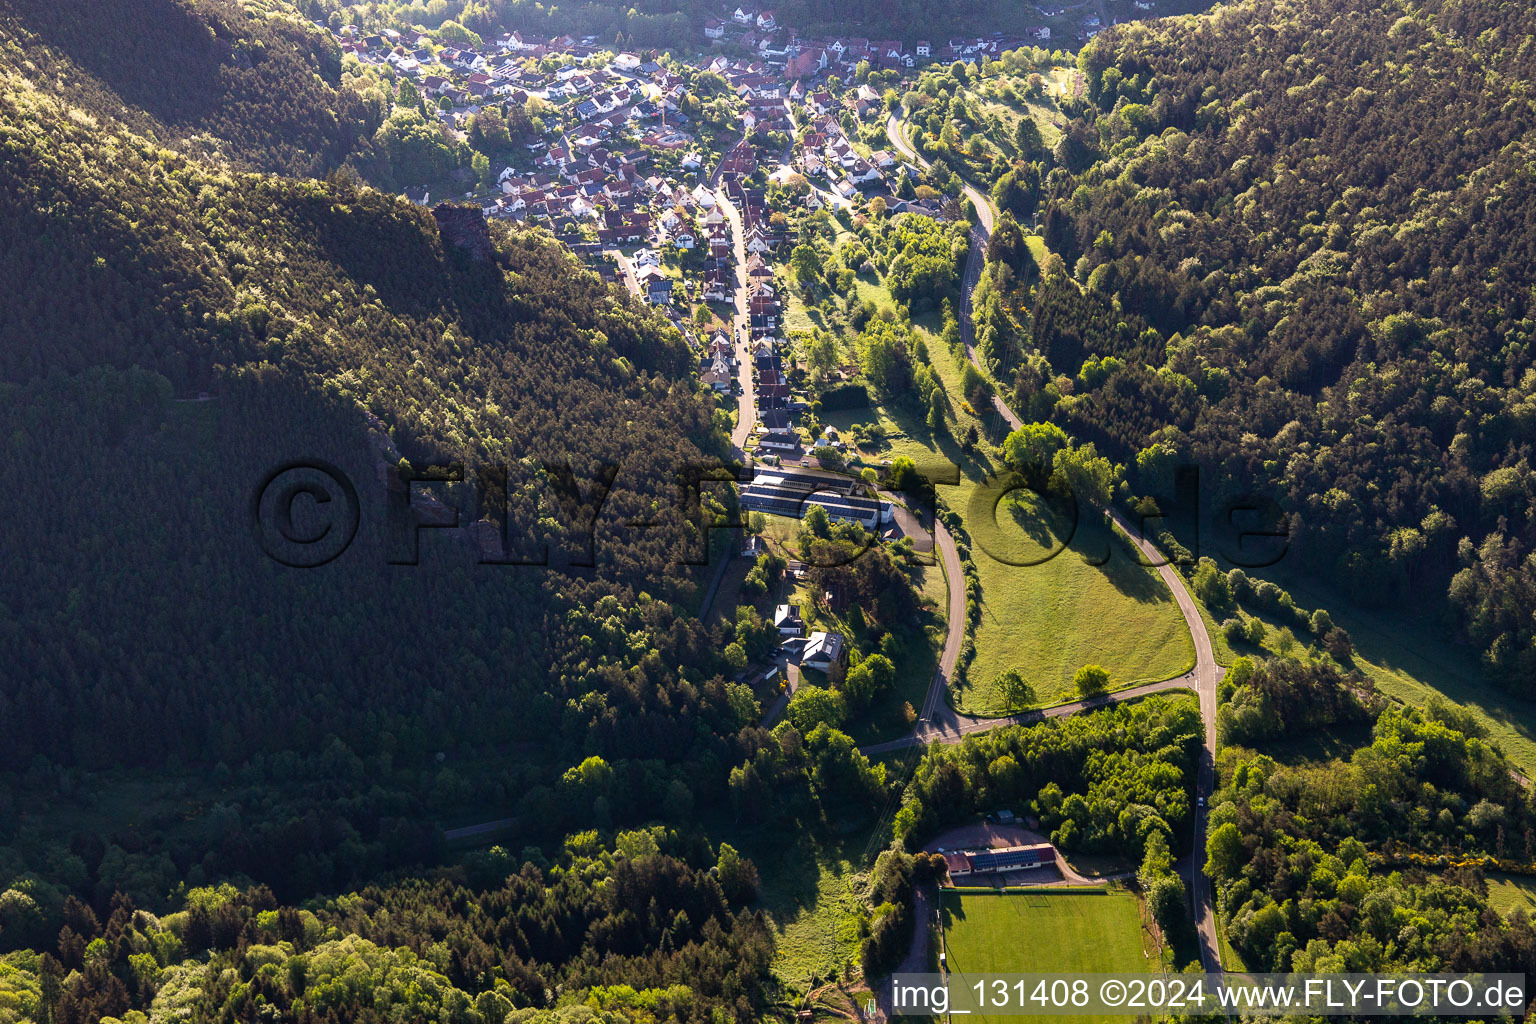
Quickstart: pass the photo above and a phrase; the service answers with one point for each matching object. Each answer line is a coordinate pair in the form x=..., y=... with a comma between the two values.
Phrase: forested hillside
x=173, y=333
x=1376, y=860
x=674, y=24
x=247, y=82
x=649, y=930
x=1327, y=217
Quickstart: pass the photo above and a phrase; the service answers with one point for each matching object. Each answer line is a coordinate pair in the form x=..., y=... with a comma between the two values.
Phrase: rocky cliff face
x=464, y=227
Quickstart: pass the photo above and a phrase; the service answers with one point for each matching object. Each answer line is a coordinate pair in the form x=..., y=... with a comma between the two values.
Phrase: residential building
x=786, y=618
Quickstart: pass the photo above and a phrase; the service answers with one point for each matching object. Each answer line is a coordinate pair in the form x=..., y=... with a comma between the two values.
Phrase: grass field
x=906, y=433
x=1042, y=932
x=1509, y=893
x=1230, y=960
x=1047, y=620
x=816, y=895
x=1050, y=618
x=989, y=102
x=1409, y=662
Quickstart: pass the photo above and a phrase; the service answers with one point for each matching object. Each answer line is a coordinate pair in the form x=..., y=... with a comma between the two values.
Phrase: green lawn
x=906, y=431
x=1045, y=620
x=905, y=434
x=1509, y=893
x=1409, y=661
x=817, y=897
x=930, y=583
x=799, y=317
x=1043, y=932
x=1042, y=110
x=1230, y=960
x=1047, y=616
x=949, y=370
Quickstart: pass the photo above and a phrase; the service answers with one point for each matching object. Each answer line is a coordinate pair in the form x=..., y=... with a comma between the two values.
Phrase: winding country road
x=941, y=723
x=898, y=136
x=975, y=257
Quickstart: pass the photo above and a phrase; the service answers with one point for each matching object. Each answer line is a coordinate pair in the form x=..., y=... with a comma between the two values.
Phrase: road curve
x=945, y=725
x=935, y=705
x=898, y=136
x=941, y=723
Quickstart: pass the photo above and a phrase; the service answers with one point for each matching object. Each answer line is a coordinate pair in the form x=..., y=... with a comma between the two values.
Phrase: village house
x=740, y=160
x=656, y=285
x=786, y=619
x=718, y=285
x=719, y=376
x=822, y=650
x=779, y=440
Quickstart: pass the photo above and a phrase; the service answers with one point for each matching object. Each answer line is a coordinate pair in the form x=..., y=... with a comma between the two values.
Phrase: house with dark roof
x=658, y=289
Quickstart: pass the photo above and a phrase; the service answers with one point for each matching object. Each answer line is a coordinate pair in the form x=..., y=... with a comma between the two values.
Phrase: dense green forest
x=249, y=83
x=173, y=333
x=335, y=314
x=650, y=929
x=1287, y=242
x=1305, y=246
x=1375, y=860
x=667, y=24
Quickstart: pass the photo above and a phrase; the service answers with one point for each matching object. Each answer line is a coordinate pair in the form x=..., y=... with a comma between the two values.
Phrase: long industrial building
x=792, y=494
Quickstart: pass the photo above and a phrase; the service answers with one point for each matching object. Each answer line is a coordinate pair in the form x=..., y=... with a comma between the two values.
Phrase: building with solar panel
x=1012, y=858
x=792, y=494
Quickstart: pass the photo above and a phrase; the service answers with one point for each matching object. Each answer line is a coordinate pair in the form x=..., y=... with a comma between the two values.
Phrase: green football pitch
x=1043, y=932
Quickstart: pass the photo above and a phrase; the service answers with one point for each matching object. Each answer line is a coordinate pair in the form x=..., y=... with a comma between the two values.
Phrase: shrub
x=1091, y=680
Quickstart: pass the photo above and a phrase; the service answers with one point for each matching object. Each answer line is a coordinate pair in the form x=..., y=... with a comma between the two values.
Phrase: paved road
x=941, y=723
x=947, y=725
x=470, y=831
x=950, y=726
x=746, y=407
x=975, y=257
x=726, y=146
x=898, y=136
x=707, y=604
x=1205, y=677
x=936, y=703
x=628, y=271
